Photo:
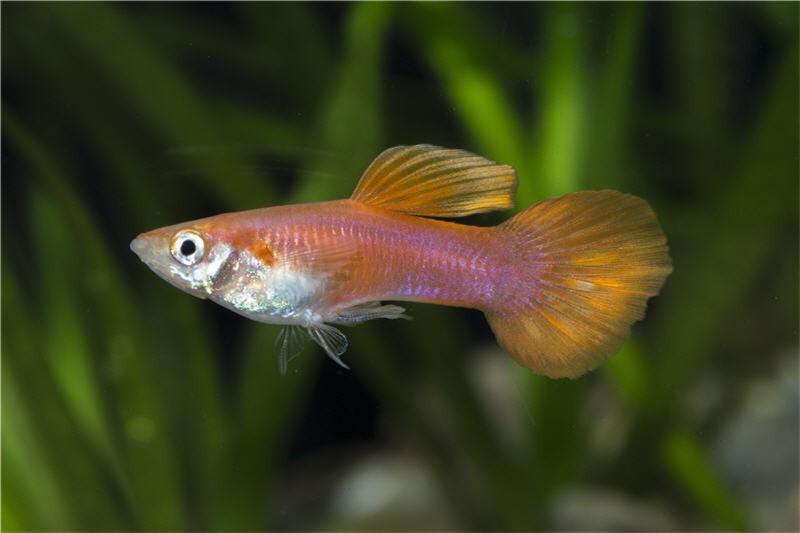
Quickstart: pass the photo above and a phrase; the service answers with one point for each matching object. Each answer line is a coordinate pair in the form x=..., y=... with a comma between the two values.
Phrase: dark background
x=127, y=404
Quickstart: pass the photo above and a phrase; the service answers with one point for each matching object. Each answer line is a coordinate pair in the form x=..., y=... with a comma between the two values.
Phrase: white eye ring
x=188, y=247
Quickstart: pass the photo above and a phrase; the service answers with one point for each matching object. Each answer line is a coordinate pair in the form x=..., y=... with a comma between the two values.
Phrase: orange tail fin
x=587, y=262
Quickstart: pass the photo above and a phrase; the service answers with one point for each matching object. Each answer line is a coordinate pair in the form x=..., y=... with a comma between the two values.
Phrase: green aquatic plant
x=127, y=405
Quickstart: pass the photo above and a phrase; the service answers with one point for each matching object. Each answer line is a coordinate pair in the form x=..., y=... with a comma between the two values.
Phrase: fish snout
x=139, y=246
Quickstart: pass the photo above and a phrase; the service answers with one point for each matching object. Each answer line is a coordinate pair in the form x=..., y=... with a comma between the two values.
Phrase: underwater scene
x=130, y=404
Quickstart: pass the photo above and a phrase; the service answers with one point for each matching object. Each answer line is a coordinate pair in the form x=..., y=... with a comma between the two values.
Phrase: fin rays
x=588, y=262
x=369, y=311
x=430, y=181
x=332, y=341
x=291, y=339
x=288, y=345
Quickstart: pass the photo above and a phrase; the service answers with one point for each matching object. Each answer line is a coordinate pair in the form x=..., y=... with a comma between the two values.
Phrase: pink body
x=391, y=256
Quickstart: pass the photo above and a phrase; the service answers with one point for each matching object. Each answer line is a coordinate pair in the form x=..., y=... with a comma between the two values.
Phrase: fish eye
x=188, y=247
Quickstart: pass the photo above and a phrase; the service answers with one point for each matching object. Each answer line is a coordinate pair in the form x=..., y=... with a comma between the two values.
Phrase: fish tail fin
x=584, y=265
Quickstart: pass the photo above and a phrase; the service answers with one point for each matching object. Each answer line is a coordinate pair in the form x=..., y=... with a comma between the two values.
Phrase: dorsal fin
x=437, y=182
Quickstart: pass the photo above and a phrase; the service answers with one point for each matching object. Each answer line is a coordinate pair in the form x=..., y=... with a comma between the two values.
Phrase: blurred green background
x=128, y=405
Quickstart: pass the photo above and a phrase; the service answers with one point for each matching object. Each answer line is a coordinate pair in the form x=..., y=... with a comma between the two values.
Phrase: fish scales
x=395, y=256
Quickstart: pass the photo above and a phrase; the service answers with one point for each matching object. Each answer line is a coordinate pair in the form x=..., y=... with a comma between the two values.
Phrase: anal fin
x=368, y=311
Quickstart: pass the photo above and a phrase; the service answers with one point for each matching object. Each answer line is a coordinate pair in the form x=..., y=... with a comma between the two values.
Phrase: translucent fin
x=288, y=345
x=368, y=311
x=437, y=182
x=326, y=256
x=332, y=341
x=587, y=262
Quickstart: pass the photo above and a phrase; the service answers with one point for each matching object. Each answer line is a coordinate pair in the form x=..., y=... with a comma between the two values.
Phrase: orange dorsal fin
x=431, y=181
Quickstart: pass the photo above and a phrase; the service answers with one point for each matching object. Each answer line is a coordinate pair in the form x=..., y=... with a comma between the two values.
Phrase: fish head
x=229, y=263
x=185, y=255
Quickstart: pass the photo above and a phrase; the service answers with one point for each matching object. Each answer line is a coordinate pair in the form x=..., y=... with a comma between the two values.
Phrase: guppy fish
x=560, y=283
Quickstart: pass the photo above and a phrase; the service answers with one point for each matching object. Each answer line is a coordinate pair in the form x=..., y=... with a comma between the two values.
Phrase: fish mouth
x=143, y=248
x=139, y=246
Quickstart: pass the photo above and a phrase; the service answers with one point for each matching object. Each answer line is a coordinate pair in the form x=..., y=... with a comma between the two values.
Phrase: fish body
x=561, y=283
